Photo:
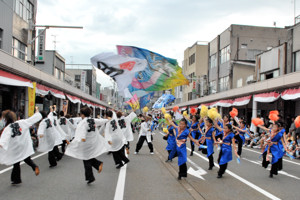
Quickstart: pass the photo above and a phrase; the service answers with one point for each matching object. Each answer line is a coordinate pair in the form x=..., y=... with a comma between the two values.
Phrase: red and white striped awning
x=225, y=103
x=266, y=97
x=291, y=94
x=7, y=78
x=183, y=108
x=44, y=90
x=73, y=99
x=241, y=101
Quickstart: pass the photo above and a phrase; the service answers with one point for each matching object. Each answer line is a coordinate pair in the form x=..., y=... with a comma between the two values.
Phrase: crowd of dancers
x=86, y=138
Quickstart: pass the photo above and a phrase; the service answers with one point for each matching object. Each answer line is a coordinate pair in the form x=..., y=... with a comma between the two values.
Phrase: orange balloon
x=297, y=122
x=257, y=121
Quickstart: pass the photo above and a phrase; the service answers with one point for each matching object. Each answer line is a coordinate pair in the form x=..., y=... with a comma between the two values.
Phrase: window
x=297, y=61
x=77, y=78
x=1, y=36
x=180, y=88
x=56, y=73
x=225, y=54
x=262, y=77
x=192, y=59
x=212, y=87
x=24, y=9
x=212, y=61
x=19, y=49
x=190, y=96
x=224, y=83
x=239, y=83
x=249, y=79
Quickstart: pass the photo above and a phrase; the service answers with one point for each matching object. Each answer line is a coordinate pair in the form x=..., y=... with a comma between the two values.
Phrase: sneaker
x=135, y=152
x=52, y=166
x=16, y=183
x=179, y=178
x=126, y=162
x=151, y=153
x=219, y=176
x=119, y=166
x=191, y=153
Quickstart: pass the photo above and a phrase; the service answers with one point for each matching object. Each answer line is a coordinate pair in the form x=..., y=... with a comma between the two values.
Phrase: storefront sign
x=65, y=106
x=31, y=99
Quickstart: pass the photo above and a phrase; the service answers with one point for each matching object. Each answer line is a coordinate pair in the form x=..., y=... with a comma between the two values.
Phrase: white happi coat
x=94, y=144
x=55, y=122
x=145, y=131
x=126, y=127
x=114, y=134
x=16, y=141
x=67, y=127
x=47, y=136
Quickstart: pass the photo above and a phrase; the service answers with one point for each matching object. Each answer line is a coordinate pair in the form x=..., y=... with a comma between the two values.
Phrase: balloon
x=163, y=110
x=165, y=130
x=257, y=121
x=234, y=112
x=193, y=111
x=203, y=111
x=274, y=112
x=145, y=109
x=297, y=122
x=175, y=108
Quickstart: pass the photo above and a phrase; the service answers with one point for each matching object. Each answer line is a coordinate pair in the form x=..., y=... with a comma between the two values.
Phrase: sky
x=167, y=27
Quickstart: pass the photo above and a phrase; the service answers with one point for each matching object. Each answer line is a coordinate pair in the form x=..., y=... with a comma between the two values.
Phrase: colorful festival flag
x=134, y=102
x=163, y=101
x=161, y=73
x=146, y=99
x=121, y=68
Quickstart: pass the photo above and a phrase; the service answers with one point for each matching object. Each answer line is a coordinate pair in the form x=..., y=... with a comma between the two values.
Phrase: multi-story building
x=232, y=54
x=53, y=64
x=195, y=67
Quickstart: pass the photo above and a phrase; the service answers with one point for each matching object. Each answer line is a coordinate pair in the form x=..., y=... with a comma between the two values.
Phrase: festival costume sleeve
x=100, y=122
x=32, y=120
x=5, y=137
x=131, y=116
x=42, y=128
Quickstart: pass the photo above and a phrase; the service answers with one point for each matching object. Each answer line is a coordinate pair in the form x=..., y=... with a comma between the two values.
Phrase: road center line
x=119, y=194
x=9, y=168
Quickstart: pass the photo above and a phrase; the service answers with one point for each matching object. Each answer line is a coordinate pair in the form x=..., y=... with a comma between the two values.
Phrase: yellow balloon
x=185, y=113
x=165, y=130
x=145, y=109
x=163, y=110
x=167, y=116
x=203, y=111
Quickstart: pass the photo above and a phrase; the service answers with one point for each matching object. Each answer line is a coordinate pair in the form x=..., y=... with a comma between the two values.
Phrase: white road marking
x=9, y=168
x=198, y=172
x=282, y=159
x=262, y=191
x=280, y=172
x=119, y=193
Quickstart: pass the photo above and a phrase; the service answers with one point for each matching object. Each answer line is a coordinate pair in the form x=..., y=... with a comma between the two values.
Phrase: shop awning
x=291, y=94
x=42, y=90
x=225, y=103
x=193, y=106
x=241, y=101
x=183, y=108
x=73, y=99
x=7, y=78
x=266, y=97
x=57, y=93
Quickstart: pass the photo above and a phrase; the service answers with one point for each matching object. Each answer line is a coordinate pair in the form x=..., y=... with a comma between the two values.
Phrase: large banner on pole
x=31, y=99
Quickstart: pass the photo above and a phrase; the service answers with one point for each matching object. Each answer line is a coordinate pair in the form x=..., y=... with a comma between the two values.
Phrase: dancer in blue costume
x=194, y=130
x=274, y=147
x=225, y=155
x=240, y=135
x=182, y=133
x=171, y=140
x=209, y=139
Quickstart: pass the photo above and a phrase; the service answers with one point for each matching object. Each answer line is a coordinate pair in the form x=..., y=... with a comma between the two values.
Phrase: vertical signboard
x=31, y=99
x=65, y=106
x=41, y=45
x=83, y=80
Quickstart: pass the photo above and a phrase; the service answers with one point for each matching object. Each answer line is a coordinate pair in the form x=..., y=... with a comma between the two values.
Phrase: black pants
x=211, y=161
x=119, y=156
x=219, y=136
x=274, y=168
x=175, y=155
x=54, y=156
x=265, y=163
x=222, y=169
x=192, y=143
x=127, y=146
x=63, y=146
x=279, y=164
x=141, y=142
x=182, y=170
x=88, y=164
x=16, y=171
x=240, y=144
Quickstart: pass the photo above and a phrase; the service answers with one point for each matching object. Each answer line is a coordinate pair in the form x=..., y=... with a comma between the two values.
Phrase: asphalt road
x=149, y=177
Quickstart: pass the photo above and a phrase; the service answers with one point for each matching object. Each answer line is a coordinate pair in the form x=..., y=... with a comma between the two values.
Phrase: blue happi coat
x=210, y=142
x=171, y=139
x=194, y=133
x=181, y=150
x=226, y=149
